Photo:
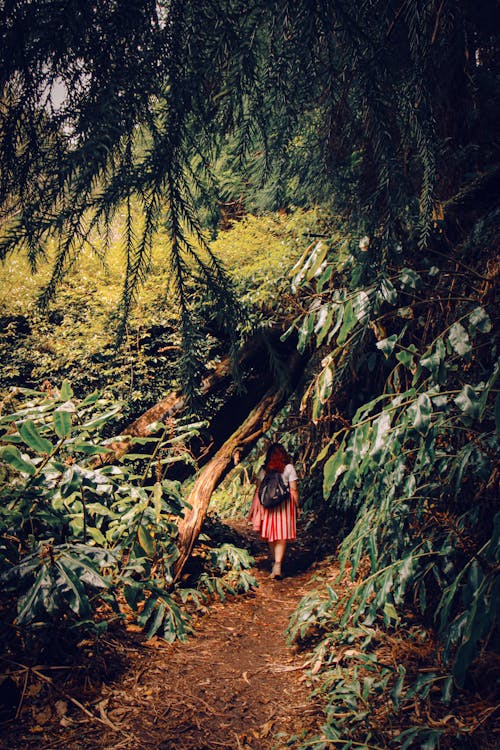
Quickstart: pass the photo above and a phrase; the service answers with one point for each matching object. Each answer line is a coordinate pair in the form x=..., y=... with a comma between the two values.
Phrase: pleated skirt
x=275, y=524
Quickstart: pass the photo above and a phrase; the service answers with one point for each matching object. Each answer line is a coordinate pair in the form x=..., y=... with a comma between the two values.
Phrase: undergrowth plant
x=415, y=471
x=84, y=541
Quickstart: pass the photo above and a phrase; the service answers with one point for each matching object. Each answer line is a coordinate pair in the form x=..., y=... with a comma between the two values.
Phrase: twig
x=21, y=700
x=79, y=705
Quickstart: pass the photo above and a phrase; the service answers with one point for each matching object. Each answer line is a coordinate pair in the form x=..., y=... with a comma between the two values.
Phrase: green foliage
x=139, y=119
x=55, y=579
x=228, y=573
x=160, y=614
x=416, y=528
x=233, y=497
x=172, y=110
x=370, y=698
x=412, y=475
x=75, y=532
x=76, y=339
x=79, y=536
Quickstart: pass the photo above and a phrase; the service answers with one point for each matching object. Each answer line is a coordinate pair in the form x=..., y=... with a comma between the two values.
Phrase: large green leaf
x=12, y=456
x=382, y=425
x=91, y=399
x=407, y=357
x=96, y=534
x=433, y=360
x=361, y=306
x=305, y=331
x=89, y=449
x=86, y=569
x=133, y=592
x=387, y=345
x=388, y=291
x=101, y=419
x=98, y=509
x=33, y=439
x=410, y=279
x=423, y=412
x=157, y=620
x=474, y=630
x=348, y=322
x=316, y=260
x=71, y=481
x=62, y=423
x=174, y=623
x=325, y=384
x=146, y=540
x=323, y=322
x=308, y=264
x=480, y=319
x=398, y=686
x=39, y=595
x=468, y=402
x=334, y=468
x=459, y=339
x=66, y=392
x=71, y=588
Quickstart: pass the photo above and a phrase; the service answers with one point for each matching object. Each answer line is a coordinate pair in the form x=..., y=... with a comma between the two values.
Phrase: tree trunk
x=169, y=406
x=175, y=401
x=251, y=356
x=254, y=426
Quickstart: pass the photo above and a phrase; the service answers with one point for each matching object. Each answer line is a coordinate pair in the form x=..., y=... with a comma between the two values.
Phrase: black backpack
x=272, y=490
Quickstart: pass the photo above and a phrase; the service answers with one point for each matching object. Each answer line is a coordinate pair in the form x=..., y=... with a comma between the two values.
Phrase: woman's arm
x=255, y=507
x=294, y=493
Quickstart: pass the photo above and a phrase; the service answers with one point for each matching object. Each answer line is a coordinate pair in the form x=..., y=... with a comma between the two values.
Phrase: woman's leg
x=279, y=554
x=279, y=550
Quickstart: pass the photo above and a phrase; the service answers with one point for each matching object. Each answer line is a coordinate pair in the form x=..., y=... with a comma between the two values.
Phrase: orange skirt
x=274, y=524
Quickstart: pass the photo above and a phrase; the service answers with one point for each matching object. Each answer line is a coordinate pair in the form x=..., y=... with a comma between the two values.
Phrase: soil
x=235, y=683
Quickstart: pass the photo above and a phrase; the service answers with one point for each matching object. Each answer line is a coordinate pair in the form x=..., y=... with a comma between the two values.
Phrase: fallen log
x=169, y=406
x=215, y=382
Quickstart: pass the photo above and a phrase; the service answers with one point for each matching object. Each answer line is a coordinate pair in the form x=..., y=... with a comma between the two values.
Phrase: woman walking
x=277, y=525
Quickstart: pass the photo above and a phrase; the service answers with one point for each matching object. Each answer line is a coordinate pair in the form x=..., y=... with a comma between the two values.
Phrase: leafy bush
x=415, y=467
x=83, y=541
x=76, y=531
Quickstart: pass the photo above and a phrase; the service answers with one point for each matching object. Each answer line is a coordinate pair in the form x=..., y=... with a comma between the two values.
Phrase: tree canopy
x=383, y=108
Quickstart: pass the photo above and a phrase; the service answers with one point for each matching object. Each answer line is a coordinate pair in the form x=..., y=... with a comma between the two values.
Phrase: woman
x=277, y=525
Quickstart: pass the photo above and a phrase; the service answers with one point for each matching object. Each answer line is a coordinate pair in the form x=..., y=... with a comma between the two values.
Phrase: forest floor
x=235, y=683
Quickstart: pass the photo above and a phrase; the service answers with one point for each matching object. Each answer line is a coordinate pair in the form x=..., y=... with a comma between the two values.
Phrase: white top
x=289, y=474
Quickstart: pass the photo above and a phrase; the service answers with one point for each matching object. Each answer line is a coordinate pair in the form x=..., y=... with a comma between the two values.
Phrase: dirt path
x=234, y=684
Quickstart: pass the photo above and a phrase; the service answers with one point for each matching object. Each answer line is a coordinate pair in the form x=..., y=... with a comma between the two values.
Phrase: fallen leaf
x=61, y=708
x=153, y=642
x=134, y=628
x=43, y=716
x=317, y=665
x=266, y=728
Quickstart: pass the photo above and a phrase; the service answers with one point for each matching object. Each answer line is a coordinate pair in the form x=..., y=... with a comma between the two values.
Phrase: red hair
x=277, y=458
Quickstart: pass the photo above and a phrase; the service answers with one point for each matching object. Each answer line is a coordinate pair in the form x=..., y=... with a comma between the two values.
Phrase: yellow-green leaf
x=146, y=541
